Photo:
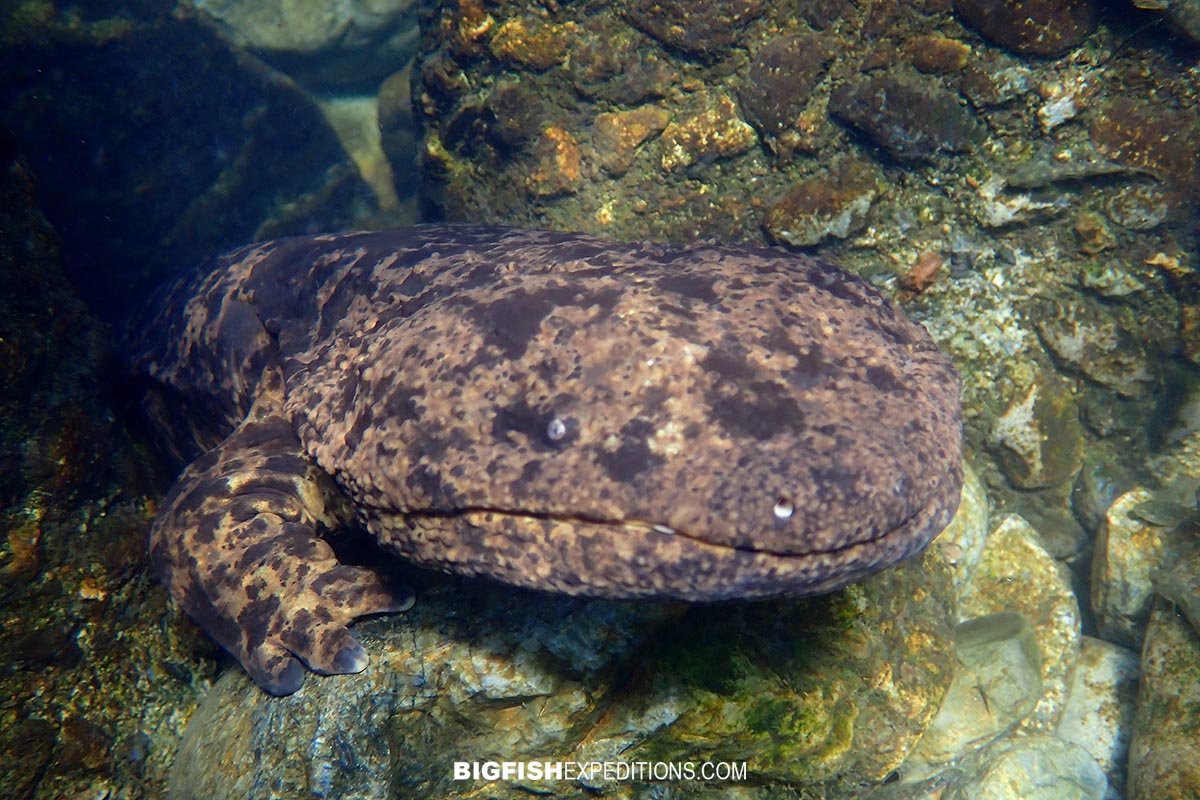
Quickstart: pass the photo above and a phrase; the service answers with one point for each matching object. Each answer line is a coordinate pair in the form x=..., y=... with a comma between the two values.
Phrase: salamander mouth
x=638, y=559
x=647, y=527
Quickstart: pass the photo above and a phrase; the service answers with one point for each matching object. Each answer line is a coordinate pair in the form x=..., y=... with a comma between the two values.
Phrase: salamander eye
x=561, y=431
x=783, y=508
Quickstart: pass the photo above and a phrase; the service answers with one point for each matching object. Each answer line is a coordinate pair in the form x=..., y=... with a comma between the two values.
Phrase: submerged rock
x=780, y=80
x=1100, y=706
x=147, y=171
x=997, y=683
x=1038, y=439
x=1088, y=337
x=704, y=29
x=1032, y=27
x=831, y=205
x=710, y=130
x=350, y=42
x=1129, y=551
x=1017, y=574
x=1037, y=767
x=913, y=119
x=805, y=692
x=1164, y=754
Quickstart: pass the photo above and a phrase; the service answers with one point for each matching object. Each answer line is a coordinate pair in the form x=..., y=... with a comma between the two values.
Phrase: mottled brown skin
x=551, y=410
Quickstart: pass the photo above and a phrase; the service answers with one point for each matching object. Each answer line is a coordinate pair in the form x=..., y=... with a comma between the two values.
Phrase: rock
x=779, y=83
x=1128, y=552
x=618, y=136
x=616, y=66
x=206, y=151
x=937, y=54
x=1047, y=167
x=912, y=118
x=398, y=132
x=1100, y=707
x=710, y=131
x=820, y=14
x=1017, y=574
x=1036, y=767
x=1038, y=439
x=1164, y=752
x=831, y=205
x=997, y=683
x=1108, y=277
x=1099, y=482
x=1153, y=138
x=994, y=81
x=79, y=607
x=1092, y=233
x=705, y=29
x=805, y=692
x=1179, y=582
x=1184, y=17
x=997, y=208
x=512, y=117
x=1046, y=28
x=355, y=120
x=1087, y=338
x=557, y=160
x=1138, y=206
x=347, y=43
x=1063, y=100
x=528, y=41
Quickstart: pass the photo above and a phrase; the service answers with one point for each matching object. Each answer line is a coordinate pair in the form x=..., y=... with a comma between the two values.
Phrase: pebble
x=1088, y=338
x=1038, y=439
x=912, y=118
x=1092, y=233
x=1045, y=28
x=557, y=161
x=997, y=208
x=1108, y=277
x=831, y=205
x=995, y=81
x=938, y=54
x=705, y=29
x=780, y=81
x=712, y=131
x=529, y=42
x=618, y=136
x=1138, y=206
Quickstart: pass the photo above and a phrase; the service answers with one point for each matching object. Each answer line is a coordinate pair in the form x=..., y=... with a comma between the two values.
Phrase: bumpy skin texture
x=552, y=410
